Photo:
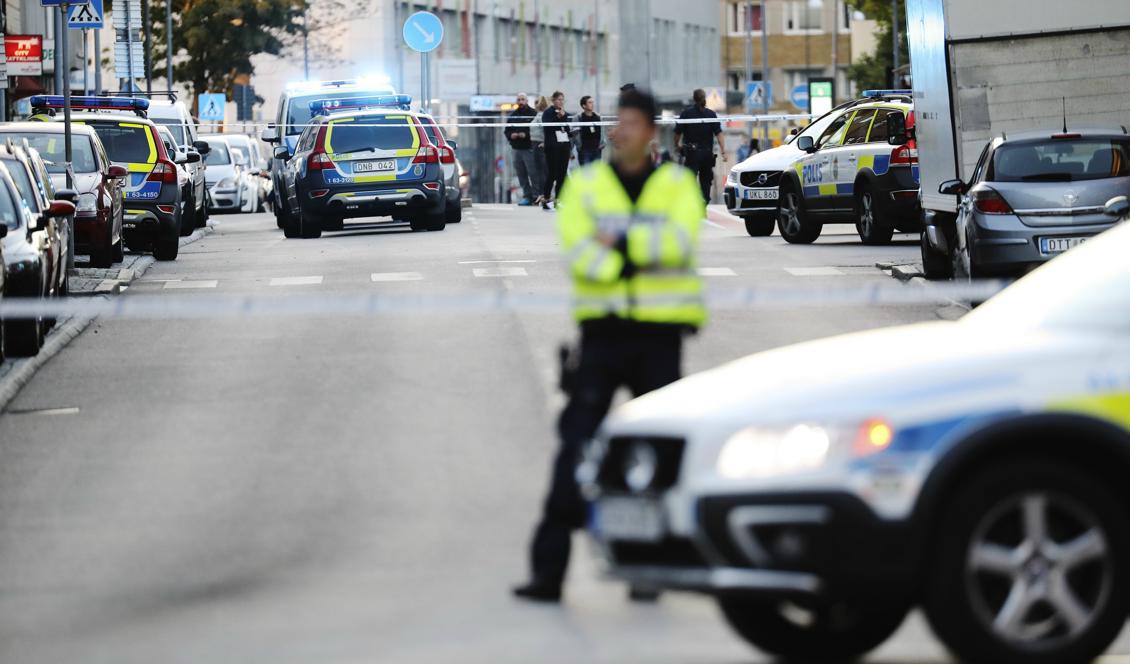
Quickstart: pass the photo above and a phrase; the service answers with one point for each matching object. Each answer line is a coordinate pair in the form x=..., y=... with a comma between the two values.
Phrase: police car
x=153, y=189
x=362, y=157
x=977, y=469
x=862, y=169
x=294, y=113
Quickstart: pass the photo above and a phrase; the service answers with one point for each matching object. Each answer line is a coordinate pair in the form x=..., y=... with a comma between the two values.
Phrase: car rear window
x=175, y=127
x=50, y=147
x=1061, y=160
x=298, y=113
x=382, y=132
x=218, y=155
x=126, y=143
x=431, y=129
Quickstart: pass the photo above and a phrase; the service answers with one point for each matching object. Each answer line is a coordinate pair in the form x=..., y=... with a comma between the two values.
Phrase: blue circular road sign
x=423, y=31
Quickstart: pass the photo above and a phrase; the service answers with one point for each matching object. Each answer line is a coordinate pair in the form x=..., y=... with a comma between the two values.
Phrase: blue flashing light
x=134, y=104
x=870, y=94
x=327, y=106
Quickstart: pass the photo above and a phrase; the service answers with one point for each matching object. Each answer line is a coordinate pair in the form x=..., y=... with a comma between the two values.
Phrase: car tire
x=453, y=212
x=22, y=338
x=1030, y=525
x=429, y=221
x=935, y=264
x=309, y=226
x=793, y=221
x=188, y=218
x=167, y=248
x=759, y=226
x=281, y=213
x=202, y=215
x=119, y=251
x=333, y=223
x=871, y=225
x=840, y=631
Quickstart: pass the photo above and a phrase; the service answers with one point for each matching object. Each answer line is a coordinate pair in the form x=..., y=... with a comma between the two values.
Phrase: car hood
x=773, y=159
x=85, y=183
x=217, y=173
x=902, y=374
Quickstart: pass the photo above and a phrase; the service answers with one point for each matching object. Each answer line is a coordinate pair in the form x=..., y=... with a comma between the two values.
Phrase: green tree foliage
x=874, y=70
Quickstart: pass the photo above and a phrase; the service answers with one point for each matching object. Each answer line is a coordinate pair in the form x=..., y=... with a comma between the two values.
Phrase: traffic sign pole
x=423, y=32
x=61, y=44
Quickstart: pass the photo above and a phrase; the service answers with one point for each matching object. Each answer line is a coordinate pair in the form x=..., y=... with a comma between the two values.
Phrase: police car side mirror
x=270, y=134
x=952, y=188
x=1118, y=207
x=282, y=153
x=896, y=129
x=202, y=147
x=806, y=144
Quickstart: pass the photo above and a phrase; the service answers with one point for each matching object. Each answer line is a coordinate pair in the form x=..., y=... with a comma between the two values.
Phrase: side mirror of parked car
x=3, y=231
x=117, y=171
x=270, y=134
x=60, y=208
x=1118, y=207
x=952, y=188
x=806, y=144
x=282, y=153
x=202, y=147
x=896, y=129
x=66, y=195
x=189, y=157
x=451, y=144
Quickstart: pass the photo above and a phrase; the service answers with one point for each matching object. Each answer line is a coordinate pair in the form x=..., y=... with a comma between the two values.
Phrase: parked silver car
x=1031, y=196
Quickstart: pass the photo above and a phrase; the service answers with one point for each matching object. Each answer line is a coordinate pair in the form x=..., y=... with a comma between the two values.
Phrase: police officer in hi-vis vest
x=629, y=231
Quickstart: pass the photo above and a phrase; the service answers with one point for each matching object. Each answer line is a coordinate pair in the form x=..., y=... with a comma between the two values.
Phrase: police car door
x=845, y=159
x=816, y=168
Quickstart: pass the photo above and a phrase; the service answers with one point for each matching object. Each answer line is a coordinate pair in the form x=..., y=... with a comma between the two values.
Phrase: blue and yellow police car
x=362, y=157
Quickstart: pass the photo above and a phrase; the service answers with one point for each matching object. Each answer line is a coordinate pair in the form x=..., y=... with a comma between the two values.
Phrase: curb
x=14, y=374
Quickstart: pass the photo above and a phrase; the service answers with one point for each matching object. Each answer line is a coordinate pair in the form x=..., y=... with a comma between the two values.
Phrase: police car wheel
x=453, y=213
x=935, y=264
x=333, y=224
x=839, y=631
x=792, y=219
x=309, y=226
x=1030, y=565
x=759, y=227
x=873, y=229
x=428, y=222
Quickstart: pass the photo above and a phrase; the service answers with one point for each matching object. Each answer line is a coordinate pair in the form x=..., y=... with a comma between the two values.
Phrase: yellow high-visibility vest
x=662, y=230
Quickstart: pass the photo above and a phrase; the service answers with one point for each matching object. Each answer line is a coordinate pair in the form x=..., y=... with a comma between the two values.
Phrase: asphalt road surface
x=356, y=489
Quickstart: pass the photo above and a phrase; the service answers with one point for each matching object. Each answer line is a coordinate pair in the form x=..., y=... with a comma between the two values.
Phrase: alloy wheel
x=789, y=211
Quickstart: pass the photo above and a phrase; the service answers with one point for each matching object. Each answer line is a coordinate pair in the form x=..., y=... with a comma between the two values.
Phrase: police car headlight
x=758, y=451
x=87, y=202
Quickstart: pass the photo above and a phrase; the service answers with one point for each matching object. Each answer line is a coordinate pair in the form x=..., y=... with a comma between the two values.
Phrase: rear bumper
x=896, y=196
x=145, y=223
x=92, y=233
x=374, y=201
x=1009, y=249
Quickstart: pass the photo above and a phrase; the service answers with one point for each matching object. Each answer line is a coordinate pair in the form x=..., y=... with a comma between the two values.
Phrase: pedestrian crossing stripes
x=296, y=281
x=204, y=283
x=716, y=272
x=395, y=276
x=500, y=272
x=822, y=271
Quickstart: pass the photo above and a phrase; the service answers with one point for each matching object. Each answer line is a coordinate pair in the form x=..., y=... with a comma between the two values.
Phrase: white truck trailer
x=981, y=68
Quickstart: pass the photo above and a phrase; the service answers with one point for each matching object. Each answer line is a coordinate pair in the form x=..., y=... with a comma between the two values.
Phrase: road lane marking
x=70, y=410
x=396, y=276
x=716, y=272
x=500, y=272
x=498, y=261
x=203, y=283
x=813, y=271
x=295, y=281
x=711, y=223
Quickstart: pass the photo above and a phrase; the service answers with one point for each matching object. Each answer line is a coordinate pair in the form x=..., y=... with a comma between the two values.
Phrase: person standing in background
x=518, y=133
x=537, y=139
x=695, y=141
x=590, y=140
x=557, y=147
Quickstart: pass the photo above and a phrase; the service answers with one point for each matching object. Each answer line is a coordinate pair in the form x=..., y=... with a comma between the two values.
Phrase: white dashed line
x=813, y=271
x=716, y=272
x=500, y=272
x=296, y=281
x=716, y=225
x=498, y=261
x=396, y=276
x=46, y=411
x=205, y=283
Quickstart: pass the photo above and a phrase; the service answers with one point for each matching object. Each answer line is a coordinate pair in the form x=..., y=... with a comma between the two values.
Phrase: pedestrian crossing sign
x=87, y=14
x=211, y=106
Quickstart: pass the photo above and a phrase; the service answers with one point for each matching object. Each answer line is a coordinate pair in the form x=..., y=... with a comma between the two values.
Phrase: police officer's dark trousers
x=701, y=163
x=613, y=354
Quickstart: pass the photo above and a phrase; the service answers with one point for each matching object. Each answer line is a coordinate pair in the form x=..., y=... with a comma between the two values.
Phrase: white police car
x=862, y=169
x=976, y=468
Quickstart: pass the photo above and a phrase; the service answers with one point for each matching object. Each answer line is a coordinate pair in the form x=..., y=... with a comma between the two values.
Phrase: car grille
x=670, y=552
x=751, y=178
x=668, y=454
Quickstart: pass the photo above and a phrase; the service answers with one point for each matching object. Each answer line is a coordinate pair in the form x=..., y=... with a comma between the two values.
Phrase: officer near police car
x=629, y=231
x=695, y=141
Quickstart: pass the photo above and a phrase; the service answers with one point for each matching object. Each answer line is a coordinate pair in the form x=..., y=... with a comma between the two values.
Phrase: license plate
x=761, y=194
x=374, y=166
x=1058, y=245
x=630, y=519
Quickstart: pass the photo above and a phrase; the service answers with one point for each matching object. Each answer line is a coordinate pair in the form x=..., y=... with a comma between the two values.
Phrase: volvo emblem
x=762, y=179
x=640, y=465
x=1069, y=198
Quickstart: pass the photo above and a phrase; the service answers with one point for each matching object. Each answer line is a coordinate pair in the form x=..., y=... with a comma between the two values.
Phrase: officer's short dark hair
x=557, y=94
x=585, y=99
x=627, y=86
x=641, y=101
x=699, y=97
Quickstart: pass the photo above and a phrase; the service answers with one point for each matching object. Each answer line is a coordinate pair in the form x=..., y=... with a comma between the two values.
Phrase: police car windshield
x=369, y=133
x=218, y=156
x=126, y=143
x=24, y=184
x=50, y=148
x=175, y=128
x=298, y=113
x=1061, y=160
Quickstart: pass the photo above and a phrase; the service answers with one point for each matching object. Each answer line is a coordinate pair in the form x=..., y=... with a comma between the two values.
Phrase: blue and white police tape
x=167, y=306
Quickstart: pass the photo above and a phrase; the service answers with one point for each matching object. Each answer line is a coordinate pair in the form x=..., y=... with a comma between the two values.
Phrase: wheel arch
x=864, y=177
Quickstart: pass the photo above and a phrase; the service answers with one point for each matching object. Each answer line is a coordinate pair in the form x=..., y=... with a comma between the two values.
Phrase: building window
x=804, y=16
x=741, y=17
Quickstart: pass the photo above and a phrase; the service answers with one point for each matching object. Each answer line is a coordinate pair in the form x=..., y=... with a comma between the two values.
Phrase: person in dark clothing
x=612, y=246
x=695, y=141
x=518, y=133
x=558, y=147
x=589, y=137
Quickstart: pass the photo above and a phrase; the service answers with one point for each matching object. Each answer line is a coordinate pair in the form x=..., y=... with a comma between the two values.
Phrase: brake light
x=446, y=155
x=989, y=201
x=904, y=155
x=163, y=171
x=318, y=159
x=427, y=154
x=1068, y=137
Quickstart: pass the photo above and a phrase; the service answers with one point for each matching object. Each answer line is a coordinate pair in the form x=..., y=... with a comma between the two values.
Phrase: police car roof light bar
x=55, y=102
x=887, y=93
x=327, y=106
